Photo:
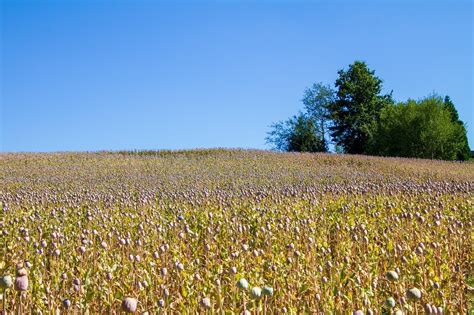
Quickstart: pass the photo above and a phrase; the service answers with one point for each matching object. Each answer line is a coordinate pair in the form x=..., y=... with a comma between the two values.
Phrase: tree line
x=357, y=118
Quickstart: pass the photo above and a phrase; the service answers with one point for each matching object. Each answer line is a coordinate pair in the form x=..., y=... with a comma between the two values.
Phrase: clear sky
x=93, y=75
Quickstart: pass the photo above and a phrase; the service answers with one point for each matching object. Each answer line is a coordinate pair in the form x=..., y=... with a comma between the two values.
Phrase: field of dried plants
x=233, y=232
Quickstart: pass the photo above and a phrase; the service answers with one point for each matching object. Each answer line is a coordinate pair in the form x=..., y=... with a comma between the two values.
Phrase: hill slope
x=321, y=229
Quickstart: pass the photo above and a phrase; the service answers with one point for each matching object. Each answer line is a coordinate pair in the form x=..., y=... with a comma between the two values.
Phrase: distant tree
x=297, y=134
x=317, y=100
x=422, y=129
x=279, y=135
x=464, y=152
x=356, y=109
x=304, y=136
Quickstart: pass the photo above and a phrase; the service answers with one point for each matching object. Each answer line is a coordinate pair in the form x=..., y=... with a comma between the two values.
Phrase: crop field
x=233, y=232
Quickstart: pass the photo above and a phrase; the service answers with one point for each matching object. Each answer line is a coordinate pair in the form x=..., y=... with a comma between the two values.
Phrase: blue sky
x=93, y=75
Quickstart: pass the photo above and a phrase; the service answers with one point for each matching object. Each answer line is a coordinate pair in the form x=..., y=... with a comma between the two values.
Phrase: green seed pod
x=390, y=302
x=256, y=293
x=6, y=282
x=413, y=294
x=392, y=275
x=243, y=284
x=268, y=291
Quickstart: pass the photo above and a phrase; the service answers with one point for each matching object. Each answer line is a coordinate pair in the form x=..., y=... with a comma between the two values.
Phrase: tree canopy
x=317, y=100
x=422, y=129
x=360, y=119
x=464, y=152
x=356, y=108
x=297, y=134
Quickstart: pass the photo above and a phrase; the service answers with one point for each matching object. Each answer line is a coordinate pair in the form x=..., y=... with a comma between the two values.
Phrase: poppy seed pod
x=129, y=305
x=268, y=291
x=206, y=302
x=21, y=272
x=66, y=303
x=256, y=293
x=81, y=249
x=427, y=308
x=21, y=283
x=390, y=302
x=243, y=284
x=413, y=294
x=392, y=275
x=6, y=282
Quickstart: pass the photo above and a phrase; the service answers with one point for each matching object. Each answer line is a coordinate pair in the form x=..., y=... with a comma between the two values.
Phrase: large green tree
x=356, y=109
x=422, y=129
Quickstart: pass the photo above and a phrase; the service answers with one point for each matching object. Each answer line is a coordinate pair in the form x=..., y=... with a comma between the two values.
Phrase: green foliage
x=357, y=107
x=464, y=152
x=361, y=120
x=279, y=135
x=317, y=100
x=297, y=134
x=422, y=129
x=303, y=137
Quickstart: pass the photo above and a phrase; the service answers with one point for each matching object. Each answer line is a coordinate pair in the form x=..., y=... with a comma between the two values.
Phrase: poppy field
x=234, y=232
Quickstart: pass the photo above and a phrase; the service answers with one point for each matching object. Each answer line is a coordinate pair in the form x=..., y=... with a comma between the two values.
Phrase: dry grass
x=177, y=230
